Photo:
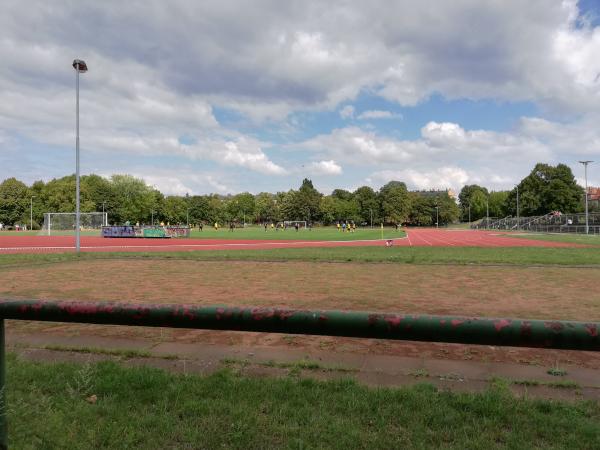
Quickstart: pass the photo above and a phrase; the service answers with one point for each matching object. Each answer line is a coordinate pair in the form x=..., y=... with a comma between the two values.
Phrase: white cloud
x=325, y=168
x=378, y=114
x=441, y=178
x=347, y=112
x=153, y=80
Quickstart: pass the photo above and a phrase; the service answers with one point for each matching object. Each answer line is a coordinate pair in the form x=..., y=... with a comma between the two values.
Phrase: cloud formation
x=162, y=71
x=378, y=114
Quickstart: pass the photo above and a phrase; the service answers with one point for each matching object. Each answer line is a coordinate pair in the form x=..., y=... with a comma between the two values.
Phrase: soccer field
x=314, y=234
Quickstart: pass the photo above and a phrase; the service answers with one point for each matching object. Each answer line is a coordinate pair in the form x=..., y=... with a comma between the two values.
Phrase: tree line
x=126, y=198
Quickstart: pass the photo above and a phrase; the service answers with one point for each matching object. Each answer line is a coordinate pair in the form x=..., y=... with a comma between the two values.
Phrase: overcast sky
x=223, y=96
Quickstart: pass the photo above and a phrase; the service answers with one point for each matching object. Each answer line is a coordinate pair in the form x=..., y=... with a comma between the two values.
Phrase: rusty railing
x=414, y=327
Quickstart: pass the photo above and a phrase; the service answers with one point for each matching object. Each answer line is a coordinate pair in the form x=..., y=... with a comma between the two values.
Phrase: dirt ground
x=527, y=292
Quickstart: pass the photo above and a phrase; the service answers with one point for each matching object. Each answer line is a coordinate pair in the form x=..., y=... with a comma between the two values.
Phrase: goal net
x=292, y=223
x=60, y=223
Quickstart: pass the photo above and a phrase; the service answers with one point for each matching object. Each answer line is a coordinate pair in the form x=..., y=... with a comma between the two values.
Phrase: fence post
x=3, y=429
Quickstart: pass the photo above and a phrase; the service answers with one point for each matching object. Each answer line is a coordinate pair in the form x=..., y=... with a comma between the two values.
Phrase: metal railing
x=414, y=327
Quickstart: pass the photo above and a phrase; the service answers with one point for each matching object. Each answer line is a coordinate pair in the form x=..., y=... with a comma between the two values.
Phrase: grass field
x=314, y=234
x=564, y=237
x=148, y=408
x=259, y=233
x=507, y=291
x=151, y=409
x=406, y=255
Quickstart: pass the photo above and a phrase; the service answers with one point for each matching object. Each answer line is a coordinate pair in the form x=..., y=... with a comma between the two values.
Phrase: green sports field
x=314, y=234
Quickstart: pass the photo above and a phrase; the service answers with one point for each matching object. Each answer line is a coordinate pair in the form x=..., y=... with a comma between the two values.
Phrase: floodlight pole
x=103, y=216
x=437, y=216
x=587, y=222
x=469, y=213
x=487, y=208
x=518, y=221
x=31, y=213
x=371, y=211
x=79, y=66
x=152, y=212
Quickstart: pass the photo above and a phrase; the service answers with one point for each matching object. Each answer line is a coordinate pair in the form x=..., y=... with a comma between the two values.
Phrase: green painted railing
x=466, y=330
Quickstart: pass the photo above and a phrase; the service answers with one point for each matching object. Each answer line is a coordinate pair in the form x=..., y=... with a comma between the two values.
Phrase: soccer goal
x=60, y=223
x=292, y=223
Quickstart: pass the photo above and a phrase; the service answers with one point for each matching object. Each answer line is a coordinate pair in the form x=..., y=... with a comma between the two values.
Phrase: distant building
x=594, y=197
x=437, y=193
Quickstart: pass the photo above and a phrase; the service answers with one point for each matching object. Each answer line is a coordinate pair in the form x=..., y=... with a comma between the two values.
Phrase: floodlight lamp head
x=80, y=65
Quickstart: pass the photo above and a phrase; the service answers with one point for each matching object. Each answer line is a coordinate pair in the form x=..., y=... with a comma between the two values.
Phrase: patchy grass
x=557, y=372
x=562, y=384
x=303, y=364
x=107, y=406
x=405, y=255
x=592, y=239
x=122, y=353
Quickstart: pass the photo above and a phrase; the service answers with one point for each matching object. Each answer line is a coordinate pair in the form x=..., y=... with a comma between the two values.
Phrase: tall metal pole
x=371, y=211
x=518, y=222
x=79, y=66
x=152, y=217
x=469, y=213
x=103, y=216
x=587, y=221
x=437, y=216
x=487, y=214
x=77, y=218
x=31, y=213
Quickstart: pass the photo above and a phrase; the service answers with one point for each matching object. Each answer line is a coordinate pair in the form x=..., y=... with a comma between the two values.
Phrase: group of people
x=347, y=226
x=17, y=227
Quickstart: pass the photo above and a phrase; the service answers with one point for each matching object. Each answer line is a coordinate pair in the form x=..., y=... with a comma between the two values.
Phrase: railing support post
x=3, y=428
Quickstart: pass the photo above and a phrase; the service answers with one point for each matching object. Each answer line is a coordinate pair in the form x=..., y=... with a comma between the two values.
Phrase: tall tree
x=369, y=207
x=546, y=189
x=308, y=201
x=474, y=197
x=14, y=201
x=395, y=202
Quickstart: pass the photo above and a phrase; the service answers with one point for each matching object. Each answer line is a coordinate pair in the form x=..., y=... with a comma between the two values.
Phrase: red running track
x=417, y=237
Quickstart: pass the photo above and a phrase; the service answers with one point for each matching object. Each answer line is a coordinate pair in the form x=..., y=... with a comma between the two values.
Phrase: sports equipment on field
x=61, y=222
x=292, y=223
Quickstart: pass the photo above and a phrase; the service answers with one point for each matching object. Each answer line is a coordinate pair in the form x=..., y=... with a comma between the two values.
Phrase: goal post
x=55, y=223
x=292, y=223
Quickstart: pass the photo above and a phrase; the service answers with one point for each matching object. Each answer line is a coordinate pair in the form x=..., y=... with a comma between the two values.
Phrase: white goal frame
x=291, y=223
x=85, y=221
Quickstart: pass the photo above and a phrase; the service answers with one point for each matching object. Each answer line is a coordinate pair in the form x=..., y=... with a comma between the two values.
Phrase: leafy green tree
x=14, y=202
x=395, y=202
x=134, y=200
x=546, y=189
x=199, y=207
x=368, y=205
x=216, y=212
x=308, y=201
x=342, y=194
x=174, y=210
x=497, y=201
x=241, y=207
x=266, y=207
x=422, y=210
x=475, y=197
x=291, y=206
x=449, y=212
